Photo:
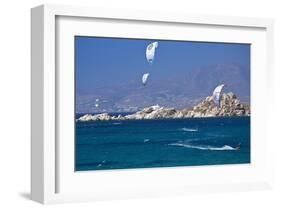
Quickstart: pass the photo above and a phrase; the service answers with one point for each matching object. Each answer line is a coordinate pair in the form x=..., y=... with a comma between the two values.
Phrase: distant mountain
x=180, y=91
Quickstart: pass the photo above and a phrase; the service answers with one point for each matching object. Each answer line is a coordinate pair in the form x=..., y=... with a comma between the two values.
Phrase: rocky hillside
x=229, y=106
x=182, y=90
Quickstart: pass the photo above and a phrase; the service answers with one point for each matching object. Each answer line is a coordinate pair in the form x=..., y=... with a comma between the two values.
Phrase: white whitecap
x=189, y=129
x=202, y=147
x=117, y=123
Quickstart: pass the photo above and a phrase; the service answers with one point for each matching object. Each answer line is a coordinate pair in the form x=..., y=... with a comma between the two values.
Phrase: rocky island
x=229, y=106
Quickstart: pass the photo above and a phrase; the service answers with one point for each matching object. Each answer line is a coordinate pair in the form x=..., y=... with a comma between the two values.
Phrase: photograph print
x=143, y=103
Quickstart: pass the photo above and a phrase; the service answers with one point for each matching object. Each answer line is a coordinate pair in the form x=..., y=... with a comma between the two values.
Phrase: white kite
x=144, y=78
x=150, y=51
x=97, y=102
x=217, y=94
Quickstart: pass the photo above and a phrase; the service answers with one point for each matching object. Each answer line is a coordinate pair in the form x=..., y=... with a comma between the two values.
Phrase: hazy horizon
x=110, y=69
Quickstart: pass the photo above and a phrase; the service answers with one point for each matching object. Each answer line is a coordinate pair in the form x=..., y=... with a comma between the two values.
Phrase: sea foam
x=189, y=129
x=202, y=147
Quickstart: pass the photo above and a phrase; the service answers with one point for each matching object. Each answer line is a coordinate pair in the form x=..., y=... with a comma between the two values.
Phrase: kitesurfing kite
x=97, y=103
x=150, y=51
x=144, y=78
x=217, y=94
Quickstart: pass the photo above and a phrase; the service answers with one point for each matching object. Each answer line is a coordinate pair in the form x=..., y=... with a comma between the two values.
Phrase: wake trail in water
x=189, y=129
x=204, y=147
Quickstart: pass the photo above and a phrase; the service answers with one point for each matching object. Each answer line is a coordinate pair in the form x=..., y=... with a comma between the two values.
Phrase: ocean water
x=103, y=145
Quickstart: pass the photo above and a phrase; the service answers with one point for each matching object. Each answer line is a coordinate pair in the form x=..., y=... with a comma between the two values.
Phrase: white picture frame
x=52, y=176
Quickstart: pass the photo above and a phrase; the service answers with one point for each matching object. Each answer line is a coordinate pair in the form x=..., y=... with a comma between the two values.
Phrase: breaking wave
x=189, y=129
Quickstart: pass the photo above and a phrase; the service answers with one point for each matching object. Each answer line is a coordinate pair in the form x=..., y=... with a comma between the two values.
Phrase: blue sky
x=107, y=62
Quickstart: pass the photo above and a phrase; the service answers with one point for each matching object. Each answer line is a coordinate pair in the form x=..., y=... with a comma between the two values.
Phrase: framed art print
x=141, y=104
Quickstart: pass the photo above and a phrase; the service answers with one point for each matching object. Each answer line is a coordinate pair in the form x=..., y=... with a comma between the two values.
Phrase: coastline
x=229, y=106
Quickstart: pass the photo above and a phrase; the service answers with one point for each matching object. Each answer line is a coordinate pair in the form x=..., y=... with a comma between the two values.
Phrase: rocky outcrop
x=153, y=112
x=89, y=117
x=229, y=106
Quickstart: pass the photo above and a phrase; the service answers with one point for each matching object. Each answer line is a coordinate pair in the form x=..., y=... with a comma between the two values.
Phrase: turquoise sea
x=103, y=145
